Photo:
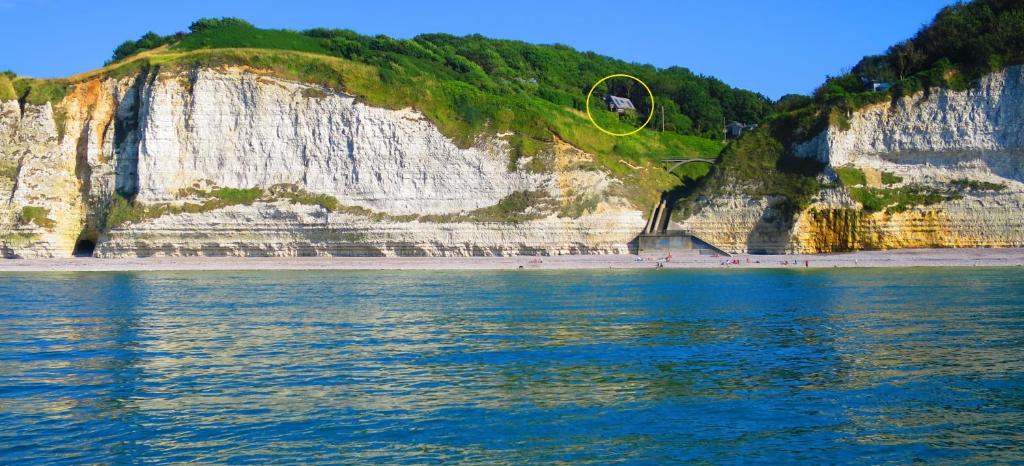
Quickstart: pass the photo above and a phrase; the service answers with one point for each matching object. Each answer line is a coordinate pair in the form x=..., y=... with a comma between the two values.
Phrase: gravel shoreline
x=1010, y=257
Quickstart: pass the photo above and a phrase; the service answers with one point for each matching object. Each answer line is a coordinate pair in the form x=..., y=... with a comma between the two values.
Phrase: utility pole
x=662, y=118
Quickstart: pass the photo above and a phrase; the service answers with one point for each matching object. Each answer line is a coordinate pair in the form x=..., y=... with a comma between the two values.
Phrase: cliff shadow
x=126, y=139
x=772, y=232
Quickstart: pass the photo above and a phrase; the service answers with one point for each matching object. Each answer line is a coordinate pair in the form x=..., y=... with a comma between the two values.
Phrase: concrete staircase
x=658, y=239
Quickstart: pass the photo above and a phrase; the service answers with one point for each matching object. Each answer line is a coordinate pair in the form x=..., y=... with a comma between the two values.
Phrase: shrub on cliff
x=152, y=40
x=36, y=215
x=233, y=196
x=148, y=41
x=7, y=89
x=208, y=24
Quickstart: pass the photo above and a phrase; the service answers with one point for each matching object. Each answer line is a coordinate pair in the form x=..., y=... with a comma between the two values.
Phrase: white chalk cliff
x=936, y=140
x=156, y=136
x=170, y=139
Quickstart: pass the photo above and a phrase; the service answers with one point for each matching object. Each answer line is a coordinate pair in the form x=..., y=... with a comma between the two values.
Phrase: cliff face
x=240, y=129
x=329, y=175
x=316, y=172
x=939, y=169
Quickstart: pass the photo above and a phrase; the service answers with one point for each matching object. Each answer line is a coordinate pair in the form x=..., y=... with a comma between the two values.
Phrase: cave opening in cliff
x=84, y=248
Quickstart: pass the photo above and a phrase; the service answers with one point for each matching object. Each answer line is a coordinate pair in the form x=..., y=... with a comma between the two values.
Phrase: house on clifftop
x=875, y=85
x=620, y=105
x=735, y=129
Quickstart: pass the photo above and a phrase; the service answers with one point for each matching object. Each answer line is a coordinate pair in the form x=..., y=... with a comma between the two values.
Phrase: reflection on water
x=523, y=367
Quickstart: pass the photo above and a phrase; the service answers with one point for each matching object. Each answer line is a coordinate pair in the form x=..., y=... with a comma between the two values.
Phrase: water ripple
x=527, y=367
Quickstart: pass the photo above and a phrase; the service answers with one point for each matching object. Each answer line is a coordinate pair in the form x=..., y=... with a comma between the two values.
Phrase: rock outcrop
x=964, y=149
x=168, y=140
x=284, y=229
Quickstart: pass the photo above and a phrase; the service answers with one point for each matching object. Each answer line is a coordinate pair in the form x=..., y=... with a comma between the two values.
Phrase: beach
x=1010, y=257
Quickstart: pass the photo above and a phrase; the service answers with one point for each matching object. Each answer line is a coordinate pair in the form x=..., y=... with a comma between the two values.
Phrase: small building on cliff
x=620, y=105
x=735, y=129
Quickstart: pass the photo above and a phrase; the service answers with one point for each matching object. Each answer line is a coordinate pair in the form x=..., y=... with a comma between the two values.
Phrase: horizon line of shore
x=980, y=257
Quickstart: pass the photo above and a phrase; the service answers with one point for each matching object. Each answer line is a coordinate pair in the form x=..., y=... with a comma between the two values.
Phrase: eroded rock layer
x=283, y=229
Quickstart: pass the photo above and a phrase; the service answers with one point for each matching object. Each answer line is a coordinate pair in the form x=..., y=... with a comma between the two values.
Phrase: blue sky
x=773, y=47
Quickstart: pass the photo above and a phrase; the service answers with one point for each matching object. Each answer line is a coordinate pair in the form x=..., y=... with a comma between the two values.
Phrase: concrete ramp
x=676, y=242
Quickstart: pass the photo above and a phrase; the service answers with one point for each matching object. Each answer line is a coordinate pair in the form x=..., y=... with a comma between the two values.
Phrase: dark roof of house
x=619, y=102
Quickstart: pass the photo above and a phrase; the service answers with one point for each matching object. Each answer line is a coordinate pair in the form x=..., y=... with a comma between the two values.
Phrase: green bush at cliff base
x=124, y=210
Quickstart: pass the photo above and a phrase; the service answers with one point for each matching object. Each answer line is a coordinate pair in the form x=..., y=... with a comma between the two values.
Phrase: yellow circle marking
x=591, y=117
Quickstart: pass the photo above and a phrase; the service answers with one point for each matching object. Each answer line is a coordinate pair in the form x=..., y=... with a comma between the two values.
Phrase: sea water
x=651, y=366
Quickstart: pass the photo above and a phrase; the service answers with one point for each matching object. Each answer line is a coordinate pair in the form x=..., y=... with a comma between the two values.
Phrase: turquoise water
x=513, y=367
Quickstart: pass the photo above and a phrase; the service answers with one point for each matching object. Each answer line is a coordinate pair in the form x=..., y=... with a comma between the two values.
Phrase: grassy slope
x=759, y=165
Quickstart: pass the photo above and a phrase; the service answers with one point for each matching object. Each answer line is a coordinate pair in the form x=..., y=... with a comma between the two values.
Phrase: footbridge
x=672, y=164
